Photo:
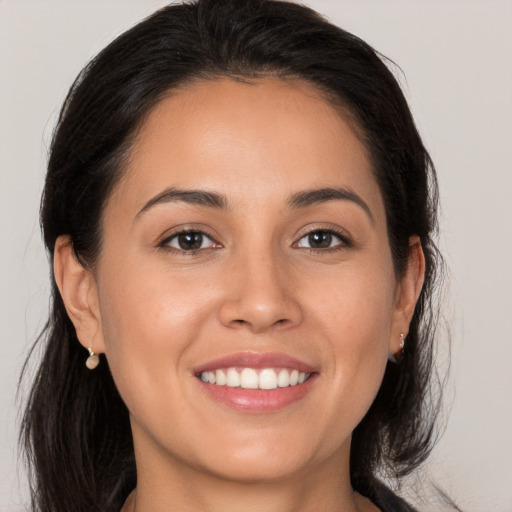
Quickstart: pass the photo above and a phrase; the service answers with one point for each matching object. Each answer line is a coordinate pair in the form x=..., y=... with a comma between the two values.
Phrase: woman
x=240, y=215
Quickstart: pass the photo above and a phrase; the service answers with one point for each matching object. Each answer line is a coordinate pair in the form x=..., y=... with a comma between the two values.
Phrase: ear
x=79, y=292
x=408, y=291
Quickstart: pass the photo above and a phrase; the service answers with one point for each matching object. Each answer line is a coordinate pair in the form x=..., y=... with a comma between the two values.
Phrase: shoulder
x=385, y=499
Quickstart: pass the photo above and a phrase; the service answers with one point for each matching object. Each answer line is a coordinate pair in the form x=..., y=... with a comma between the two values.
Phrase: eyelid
x=184, y=229
x=346, y=239
x=204, y=236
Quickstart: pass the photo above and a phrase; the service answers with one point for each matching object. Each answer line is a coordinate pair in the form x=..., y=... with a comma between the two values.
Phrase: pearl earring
x=93, y=360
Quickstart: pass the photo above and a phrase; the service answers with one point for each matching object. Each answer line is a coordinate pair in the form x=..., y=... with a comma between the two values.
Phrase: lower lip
x=258, y=400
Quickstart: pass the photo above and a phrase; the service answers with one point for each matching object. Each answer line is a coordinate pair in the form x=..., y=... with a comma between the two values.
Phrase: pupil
x=190, y=241
x=320, y=239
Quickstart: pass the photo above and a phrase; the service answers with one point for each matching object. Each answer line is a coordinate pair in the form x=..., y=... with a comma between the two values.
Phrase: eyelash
x=164, y=244
x=345, y=242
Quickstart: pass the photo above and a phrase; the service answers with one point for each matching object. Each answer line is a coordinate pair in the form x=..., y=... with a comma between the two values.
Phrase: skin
x=158, y=312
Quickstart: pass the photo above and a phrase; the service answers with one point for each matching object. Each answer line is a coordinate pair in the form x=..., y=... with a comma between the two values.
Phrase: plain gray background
x=455, y=55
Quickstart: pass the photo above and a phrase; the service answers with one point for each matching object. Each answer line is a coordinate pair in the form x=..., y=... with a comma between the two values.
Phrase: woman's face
x=246, y=243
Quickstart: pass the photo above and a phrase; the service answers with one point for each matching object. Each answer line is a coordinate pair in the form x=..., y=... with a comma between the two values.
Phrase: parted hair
x=75, y=430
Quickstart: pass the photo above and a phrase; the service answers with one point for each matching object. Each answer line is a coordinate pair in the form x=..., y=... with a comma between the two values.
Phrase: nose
x=260, y=295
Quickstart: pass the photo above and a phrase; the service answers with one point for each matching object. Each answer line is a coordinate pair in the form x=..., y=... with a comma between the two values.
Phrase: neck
x=171, y=485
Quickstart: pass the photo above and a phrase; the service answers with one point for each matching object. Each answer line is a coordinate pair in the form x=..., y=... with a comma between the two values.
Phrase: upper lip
x=257, y=361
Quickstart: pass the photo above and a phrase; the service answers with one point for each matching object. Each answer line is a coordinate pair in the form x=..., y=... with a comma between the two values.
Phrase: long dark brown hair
x=75, y=430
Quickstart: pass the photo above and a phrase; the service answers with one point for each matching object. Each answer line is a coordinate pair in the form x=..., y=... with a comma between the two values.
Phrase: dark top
x=384, y=498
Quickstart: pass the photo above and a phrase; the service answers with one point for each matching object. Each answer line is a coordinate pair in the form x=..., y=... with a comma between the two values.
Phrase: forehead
x=248, y=140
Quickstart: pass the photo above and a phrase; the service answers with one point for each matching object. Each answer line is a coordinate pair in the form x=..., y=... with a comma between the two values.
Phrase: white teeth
x=268, y=379
x=233, y=378
x=249, y=378
x=220, y=378
x=283, y=379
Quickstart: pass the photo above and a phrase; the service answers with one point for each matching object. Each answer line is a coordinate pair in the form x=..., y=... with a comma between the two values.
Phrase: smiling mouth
x=252, y=378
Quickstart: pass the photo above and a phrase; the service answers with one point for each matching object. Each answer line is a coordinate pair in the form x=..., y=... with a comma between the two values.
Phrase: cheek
x=146, y=302
x=355, y=304
x=149, y=322
x=355, y=318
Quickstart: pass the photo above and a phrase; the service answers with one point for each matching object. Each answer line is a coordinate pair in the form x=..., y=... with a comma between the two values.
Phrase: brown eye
x=321, y=239
x=190, y=241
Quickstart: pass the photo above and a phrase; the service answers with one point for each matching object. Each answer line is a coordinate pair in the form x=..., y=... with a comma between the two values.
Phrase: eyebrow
x=195, y=197
x=323, y=195
x=216, y=200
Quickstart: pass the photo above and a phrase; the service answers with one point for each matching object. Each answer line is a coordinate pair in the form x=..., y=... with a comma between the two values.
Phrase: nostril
x=242, y=323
